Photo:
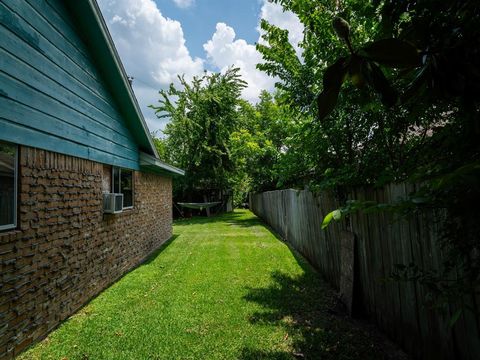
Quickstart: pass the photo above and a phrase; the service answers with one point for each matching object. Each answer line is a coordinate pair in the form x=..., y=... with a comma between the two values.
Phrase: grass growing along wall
x=223, y=288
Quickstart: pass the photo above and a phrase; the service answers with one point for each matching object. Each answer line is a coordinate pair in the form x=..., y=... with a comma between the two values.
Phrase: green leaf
x=332, y=82
x=376, y=78
x=335, y=74
x=334, y=215
x=414, y=87
x=455, y=317
x=326, y=102
x=337, y=215
x=327, y=219
x=419, y=200
x=392, y=52
x=355, y=71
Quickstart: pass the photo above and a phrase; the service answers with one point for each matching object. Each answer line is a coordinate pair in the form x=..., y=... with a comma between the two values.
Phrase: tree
x=389, y=91
x=426, y=51
x=203, y=115
x=260, y=144
x=161, y=146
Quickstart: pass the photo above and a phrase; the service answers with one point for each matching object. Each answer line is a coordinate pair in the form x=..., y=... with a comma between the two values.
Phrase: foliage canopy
x=390, y=92
x=203, y=115
x=221, y=141
x=384, y=91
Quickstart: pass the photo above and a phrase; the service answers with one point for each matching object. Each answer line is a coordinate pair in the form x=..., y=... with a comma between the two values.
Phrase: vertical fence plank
x=381, y=242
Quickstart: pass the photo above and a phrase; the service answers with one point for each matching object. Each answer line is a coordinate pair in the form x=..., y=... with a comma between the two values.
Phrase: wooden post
x=347, y=247
x=207, y=209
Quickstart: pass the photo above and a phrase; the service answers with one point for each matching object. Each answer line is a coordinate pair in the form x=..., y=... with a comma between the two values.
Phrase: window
x=122, y=180
x=8, y=186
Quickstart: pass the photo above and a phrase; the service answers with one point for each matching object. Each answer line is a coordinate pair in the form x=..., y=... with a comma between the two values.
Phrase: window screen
x=127, y=188
x=8, y=185
x=116, y=180
x=123, y=184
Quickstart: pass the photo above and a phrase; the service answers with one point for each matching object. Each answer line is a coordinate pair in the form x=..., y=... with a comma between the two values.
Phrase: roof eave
x=89, y=17
x=152, y=164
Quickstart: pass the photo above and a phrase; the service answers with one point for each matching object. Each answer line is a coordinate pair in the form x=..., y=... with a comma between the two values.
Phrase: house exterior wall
x=65, y=250
x=53, y=95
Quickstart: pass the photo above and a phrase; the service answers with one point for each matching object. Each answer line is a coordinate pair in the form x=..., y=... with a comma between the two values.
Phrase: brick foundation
x=65, y=249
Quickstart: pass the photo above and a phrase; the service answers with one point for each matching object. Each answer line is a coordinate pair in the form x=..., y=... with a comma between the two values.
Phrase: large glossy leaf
x=332, y=82
x=392, y=52
x=355, y=71
x=335, y=74
x=454, y=318
x=414, y=87
x=376, y=78
x=326, y=102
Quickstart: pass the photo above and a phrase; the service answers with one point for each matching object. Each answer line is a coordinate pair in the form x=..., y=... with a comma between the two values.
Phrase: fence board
x=381, y=241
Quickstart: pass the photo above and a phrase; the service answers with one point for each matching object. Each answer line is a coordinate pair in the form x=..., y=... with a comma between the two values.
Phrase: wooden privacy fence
x=381, y=241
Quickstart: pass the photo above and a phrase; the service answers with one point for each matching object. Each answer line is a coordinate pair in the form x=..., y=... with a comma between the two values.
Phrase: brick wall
x=65, y=249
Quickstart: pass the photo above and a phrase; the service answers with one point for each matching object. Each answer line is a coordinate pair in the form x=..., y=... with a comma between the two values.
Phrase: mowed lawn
x=223, y=288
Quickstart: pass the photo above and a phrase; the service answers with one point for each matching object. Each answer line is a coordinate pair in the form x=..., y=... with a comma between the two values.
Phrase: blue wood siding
x=51, y=94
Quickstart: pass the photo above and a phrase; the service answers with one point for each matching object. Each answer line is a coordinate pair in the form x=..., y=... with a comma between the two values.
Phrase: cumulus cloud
x=223, y=51
x=287, y=20
x=153, y=51
x=184, y=3
x=152, y=48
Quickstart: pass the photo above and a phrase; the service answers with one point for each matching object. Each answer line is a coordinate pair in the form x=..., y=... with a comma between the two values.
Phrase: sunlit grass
x=222, y=288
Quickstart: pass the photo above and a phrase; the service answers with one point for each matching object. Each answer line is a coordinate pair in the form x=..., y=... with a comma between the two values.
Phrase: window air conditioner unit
x=112, y=203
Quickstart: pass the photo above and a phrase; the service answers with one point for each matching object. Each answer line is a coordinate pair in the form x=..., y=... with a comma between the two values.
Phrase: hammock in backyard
x=199, y=206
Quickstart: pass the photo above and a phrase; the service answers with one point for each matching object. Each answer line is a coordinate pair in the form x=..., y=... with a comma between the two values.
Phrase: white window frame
x=120, y=185
x=15, y=192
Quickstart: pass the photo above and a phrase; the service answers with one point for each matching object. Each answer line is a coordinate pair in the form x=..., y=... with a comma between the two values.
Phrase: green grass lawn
x=222, y=288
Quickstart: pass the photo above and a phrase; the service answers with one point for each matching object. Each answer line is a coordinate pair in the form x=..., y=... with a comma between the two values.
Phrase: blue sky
x=160, y=39
x=199, y=20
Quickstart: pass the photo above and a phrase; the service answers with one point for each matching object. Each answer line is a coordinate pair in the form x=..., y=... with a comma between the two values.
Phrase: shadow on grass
x=247, y=222
x=307, y=309
x=250, y=354
x=157, y=252
x=234, y=218
x=299, y=305
x=240, y=217
x=195, y=220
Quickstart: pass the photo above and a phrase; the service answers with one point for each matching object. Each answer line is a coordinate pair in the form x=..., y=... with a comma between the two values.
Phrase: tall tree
x=391, y=92
x=260, y=143
x=420, y=59
x=202, y=115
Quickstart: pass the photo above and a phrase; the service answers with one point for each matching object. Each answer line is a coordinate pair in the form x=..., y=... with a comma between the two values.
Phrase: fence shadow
x=317, y=327
x=252, y=354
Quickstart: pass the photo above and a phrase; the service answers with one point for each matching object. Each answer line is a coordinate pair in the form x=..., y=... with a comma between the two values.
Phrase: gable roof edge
x=155, y=165
x=88, y=16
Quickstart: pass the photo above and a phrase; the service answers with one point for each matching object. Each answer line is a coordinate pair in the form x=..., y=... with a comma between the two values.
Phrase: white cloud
x=287, y=20
x=147, y=95
x=224, y=51
x=184, y=4
x=152, y=49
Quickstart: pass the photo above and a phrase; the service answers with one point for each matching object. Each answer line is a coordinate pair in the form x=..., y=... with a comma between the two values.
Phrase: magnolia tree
x=390, y=91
